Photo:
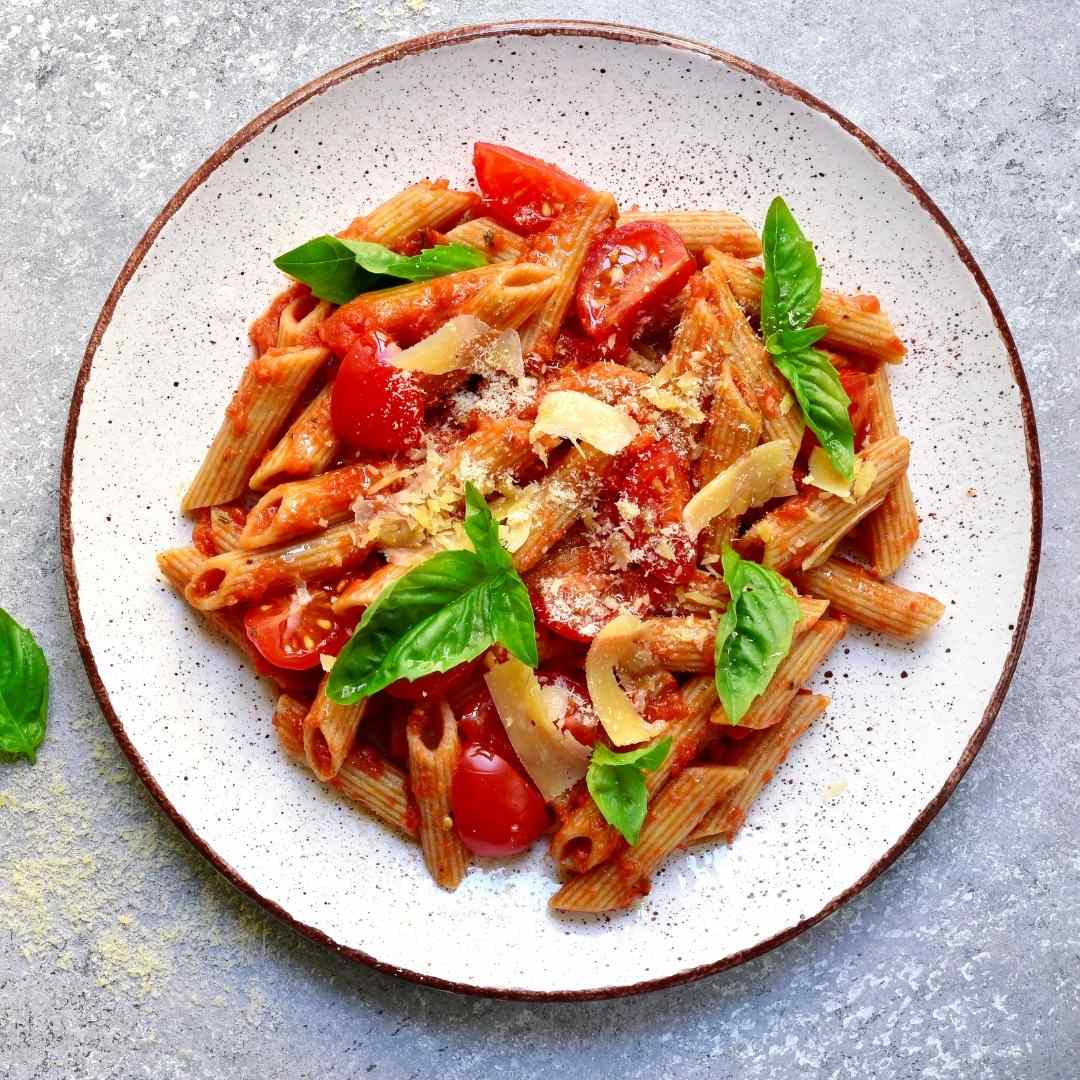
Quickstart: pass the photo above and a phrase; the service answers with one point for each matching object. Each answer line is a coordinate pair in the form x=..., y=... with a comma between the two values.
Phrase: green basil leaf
x=329, y=266
x=430, y=263
x=616, y=783
x=824, y=404
x=754, y=634
x=791, y=286
x=794, y=340
x=24, y=689
x=442, y=613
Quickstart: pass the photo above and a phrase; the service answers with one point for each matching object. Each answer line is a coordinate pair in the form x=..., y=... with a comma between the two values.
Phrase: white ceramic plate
x=665, y=123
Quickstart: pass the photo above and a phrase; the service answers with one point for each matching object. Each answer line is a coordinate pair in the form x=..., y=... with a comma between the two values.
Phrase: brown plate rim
x=540, y=28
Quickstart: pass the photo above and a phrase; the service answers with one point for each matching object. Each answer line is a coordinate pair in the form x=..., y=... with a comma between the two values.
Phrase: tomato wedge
x=521, y=191
x=293, y=630
x=628, y=276
x=374, y=405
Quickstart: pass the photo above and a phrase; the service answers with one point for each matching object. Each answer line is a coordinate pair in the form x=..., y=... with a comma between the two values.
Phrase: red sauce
x=202, y=536
x=264, y=330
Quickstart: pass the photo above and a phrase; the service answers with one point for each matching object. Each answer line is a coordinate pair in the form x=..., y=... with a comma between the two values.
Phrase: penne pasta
x=431, y=769
x=512, y=296
x=270, y=388
x=854, y=323
x=497, y=242
x=701, y=229
x=424, y=205
x=891, y=531
x=807, y=651
x=670, y=820
x=877, y=605
x=306, y=448
x=329, y=733
x=225, y=528
x=761, y=754
x=365, y=778
x=299, y=321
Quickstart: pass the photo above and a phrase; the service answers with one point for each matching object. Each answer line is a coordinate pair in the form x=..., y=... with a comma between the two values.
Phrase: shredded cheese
x=757, y=476
x=569, y=414
x=552, y=757
x=621, y=720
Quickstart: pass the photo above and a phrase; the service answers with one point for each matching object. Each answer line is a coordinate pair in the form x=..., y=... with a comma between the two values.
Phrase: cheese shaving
x=621, y=720
x=824, y=475
x=569, y=414
x=757, y=476
x=552, y=757
x=444, y=350
x=865, y=475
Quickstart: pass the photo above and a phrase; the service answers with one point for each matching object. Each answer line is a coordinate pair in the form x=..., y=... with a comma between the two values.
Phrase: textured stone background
x=122, y=954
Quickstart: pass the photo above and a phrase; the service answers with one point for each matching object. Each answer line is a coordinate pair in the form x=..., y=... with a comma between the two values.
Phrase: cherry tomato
x=580, y=717
x=856, y=385
x=497, y=811
x=575, y=597
x=628, y=276
x=293, y=630
x=479, y=725
x=374, y=405
x=651, y=489
x=436, y=685
x=521, y=191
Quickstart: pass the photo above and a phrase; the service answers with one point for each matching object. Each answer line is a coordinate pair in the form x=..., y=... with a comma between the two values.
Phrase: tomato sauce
x=264, y=330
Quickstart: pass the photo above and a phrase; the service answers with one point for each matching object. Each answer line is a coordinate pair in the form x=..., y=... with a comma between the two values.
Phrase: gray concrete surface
x=123, y=955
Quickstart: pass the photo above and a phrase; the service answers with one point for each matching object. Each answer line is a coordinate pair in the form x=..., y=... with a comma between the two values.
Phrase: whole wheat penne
x=807, y=651
x=306, y=506
x=671, y=818
x=300, y=319
x=757, y=376
x=431, y=770
x=225, y=528
x=761, y=754
x=306, y=448
x=242, y=576
x=329, y=733
x=366, y=777
x=270, y=388
x=563, y=248
x=877, y=605
x=890, y=532
x=178, y=566
x=497, y=242
x=700, y=229
x=693, y=364
x=584, y=839
x=512, y=296
x=854, y=323
x=365, y=591
x=424, y=205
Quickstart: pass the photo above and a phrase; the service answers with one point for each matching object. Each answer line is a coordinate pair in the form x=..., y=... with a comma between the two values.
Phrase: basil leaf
x=24, y=689
x=340, y=270
x=430, y=263
x=794, y=340
x=754, y=634
x=616, y=783
x=791, y=287
x=442, y=613
x=824, y=404
x=329, y=266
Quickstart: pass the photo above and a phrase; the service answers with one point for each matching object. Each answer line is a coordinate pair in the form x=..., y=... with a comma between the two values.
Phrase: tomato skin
x=629, y=274
x=521, y=191
x=580, y=718
x=479, y=725
x=497, y=811
x=856, y=385
x=374, y=405
x=267, y=624
x=436, y=685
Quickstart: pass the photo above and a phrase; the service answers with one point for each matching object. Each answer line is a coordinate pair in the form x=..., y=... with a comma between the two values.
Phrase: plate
x=665, y=123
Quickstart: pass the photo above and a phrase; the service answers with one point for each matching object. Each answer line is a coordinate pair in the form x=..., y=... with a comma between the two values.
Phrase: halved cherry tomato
x=522, y=191
x=651, y=489
x=580, y=717
x=856, y=384
x=293, y=630
x=479, y=725
x=497, y=810
x=374, y=405
x=436, y=685
x=575, y=596
x=628, y=276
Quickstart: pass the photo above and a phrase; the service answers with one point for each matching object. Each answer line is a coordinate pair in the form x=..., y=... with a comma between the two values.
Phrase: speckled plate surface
x=661, y=122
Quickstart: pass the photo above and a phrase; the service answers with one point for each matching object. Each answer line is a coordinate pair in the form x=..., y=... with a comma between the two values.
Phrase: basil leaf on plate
x=824, y=404
x=790, y=294
x=616, y=782
x=340, y=270
x=24, y=689
x=754, y=633
x=442, y=613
